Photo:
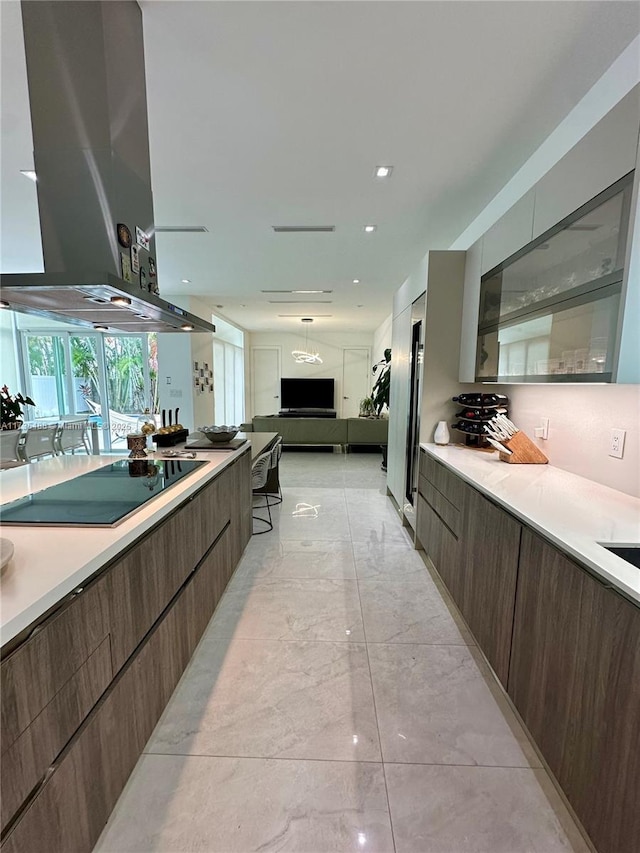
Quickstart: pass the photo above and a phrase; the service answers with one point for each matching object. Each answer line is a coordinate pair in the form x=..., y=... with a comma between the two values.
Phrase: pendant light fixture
x=305, y=356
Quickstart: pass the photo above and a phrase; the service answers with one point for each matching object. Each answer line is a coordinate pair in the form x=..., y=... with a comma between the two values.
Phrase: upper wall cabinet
x=510, y=233
x=550, y=312
x=600, y=158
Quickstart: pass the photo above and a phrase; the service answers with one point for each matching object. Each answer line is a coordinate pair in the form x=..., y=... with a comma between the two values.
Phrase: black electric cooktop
x=100, y=498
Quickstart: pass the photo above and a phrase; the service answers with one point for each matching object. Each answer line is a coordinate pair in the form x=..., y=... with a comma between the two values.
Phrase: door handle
x=345, y=398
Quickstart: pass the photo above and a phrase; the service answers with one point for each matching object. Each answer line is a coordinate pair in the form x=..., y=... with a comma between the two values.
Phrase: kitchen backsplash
x=580, y=422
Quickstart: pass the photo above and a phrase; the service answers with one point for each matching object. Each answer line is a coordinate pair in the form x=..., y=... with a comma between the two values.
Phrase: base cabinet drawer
x=36, y=671
x=26, y=761
x=441, y=546
x=575, y=679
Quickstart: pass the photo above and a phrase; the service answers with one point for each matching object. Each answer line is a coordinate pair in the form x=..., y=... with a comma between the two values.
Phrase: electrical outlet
x=616, y=445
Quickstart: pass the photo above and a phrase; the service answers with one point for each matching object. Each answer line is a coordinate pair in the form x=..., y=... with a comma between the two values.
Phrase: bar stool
x=273, y=481
x=9, y=445
x=73, y=435
x=39, y=442
x=259, y=474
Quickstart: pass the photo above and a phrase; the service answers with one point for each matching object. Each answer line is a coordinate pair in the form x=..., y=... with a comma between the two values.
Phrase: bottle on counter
x=481, y=399
x=480, y=414
x=469, y=427
x=441, y=435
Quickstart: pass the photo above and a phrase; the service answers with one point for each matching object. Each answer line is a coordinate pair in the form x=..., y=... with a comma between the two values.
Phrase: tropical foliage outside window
x=124, y=368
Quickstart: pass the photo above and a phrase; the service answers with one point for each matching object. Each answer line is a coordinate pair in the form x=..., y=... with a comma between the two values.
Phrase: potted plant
x=380, y=393
x=11, y=408
x=367, y=409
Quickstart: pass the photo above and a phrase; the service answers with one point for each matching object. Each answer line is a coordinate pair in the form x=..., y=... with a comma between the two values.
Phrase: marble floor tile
x=477, y=810
x=434, y=707
x=404, y=611
x=293, y=558
x=270, y=699
x=388, y=561
x=312, y=514
x=177, y=804
x=378, y=532
x=290, y=609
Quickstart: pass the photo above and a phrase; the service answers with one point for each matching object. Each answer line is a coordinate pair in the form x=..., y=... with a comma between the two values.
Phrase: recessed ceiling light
x=120, y=300
x=356, y=281
x=370, y=228
x=98, y=328
x=29, y=173
x=185, y=280
x=310, y=291
x=383, y=171
x=186, y=327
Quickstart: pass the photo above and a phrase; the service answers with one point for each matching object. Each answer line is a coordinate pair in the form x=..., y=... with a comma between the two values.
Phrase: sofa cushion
x=304, y=430
x=367, y=430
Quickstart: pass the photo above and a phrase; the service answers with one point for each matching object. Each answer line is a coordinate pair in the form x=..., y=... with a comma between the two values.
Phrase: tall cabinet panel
x=399, y=404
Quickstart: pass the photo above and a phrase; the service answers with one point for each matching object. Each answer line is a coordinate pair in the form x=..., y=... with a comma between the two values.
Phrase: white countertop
x=571, y=511
x=50, y=562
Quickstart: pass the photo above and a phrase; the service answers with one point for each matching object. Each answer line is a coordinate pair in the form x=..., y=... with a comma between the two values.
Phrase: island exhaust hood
x=87, y=96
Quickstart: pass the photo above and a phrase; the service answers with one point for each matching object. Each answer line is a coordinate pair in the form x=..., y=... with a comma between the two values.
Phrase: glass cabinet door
x=574, y=344
x=551, y=311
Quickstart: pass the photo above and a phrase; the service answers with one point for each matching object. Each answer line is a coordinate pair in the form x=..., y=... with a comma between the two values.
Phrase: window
x=228, y=373
x=72, y=373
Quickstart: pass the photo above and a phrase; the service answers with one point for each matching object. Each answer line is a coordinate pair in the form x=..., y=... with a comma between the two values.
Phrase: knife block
x=168, y=439
x=523, y=451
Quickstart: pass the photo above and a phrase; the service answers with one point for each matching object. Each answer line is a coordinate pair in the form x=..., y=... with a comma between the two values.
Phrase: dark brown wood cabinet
x=82, y=694
x=564, y=644
x=575, y=679
x=490, y=569
x=439, y=521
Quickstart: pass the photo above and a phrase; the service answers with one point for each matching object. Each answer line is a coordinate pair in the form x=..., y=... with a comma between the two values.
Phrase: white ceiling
x=276, y=113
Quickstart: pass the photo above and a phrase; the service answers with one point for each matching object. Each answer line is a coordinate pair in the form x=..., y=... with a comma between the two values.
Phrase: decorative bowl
x=219, y=434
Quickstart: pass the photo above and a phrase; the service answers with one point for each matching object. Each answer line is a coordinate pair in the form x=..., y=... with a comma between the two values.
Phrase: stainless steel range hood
x=87, y=96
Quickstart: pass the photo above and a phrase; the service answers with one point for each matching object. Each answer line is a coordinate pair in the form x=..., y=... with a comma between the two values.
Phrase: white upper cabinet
x=603, y=156
x=509, y=234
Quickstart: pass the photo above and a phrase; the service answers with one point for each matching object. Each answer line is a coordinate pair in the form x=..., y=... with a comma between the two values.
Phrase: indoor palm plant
x=11, y=408
x=380, y=393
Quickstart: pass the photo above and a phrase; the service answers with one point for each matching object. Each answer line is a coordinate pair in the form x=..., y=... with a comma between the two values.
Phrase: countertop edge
x=146, y=517
x=609, y=568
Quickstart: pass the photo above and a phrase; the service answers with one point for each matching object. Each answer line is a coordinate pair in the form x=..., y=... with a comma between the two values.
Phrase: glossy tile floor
x=336, y=704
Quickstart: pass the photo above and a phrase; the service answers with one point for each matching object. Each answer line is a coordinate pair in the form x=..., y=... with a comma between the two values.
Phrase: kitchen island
x=98, y=624
x=557, y=615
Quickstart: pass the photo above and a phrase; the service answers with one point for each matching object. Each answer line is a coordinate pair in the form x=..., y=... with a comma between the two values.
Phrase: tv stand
x=307, y=413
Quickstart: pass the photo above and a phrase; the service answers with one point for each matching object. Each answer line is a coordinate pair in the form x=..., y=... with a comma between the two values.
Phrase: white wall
x=581, y=420
x=329, y=345
x=381, y=339
x=8, y=360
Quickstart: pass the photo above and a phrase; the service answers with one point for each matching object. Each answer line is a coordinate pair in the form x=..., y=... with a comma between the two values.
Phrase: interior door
x=265, y=369
x=356, y=380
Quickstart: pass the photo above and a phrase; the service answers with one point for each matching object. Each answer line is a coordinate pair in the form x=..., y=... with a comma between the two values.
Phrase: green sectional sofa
x=346, y=432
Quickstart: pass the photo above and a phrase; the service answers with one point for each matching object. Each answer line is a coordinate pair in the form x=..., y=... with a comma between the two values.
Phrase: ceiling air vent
x=301, y=229
x=181, y=229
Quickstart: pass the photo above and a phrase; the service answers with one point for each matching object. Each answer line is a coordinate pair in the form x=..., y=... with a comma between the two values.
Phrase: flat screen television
x=306, y=393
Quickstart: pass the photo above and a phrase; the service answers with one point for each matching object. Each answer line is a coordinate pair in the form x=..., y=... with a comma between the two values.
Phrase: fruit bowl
x=219, y=434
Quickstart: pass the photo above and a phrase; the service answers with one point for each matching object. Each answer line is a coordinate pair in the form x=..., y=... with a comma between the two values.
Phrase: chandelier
x=304, y=356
